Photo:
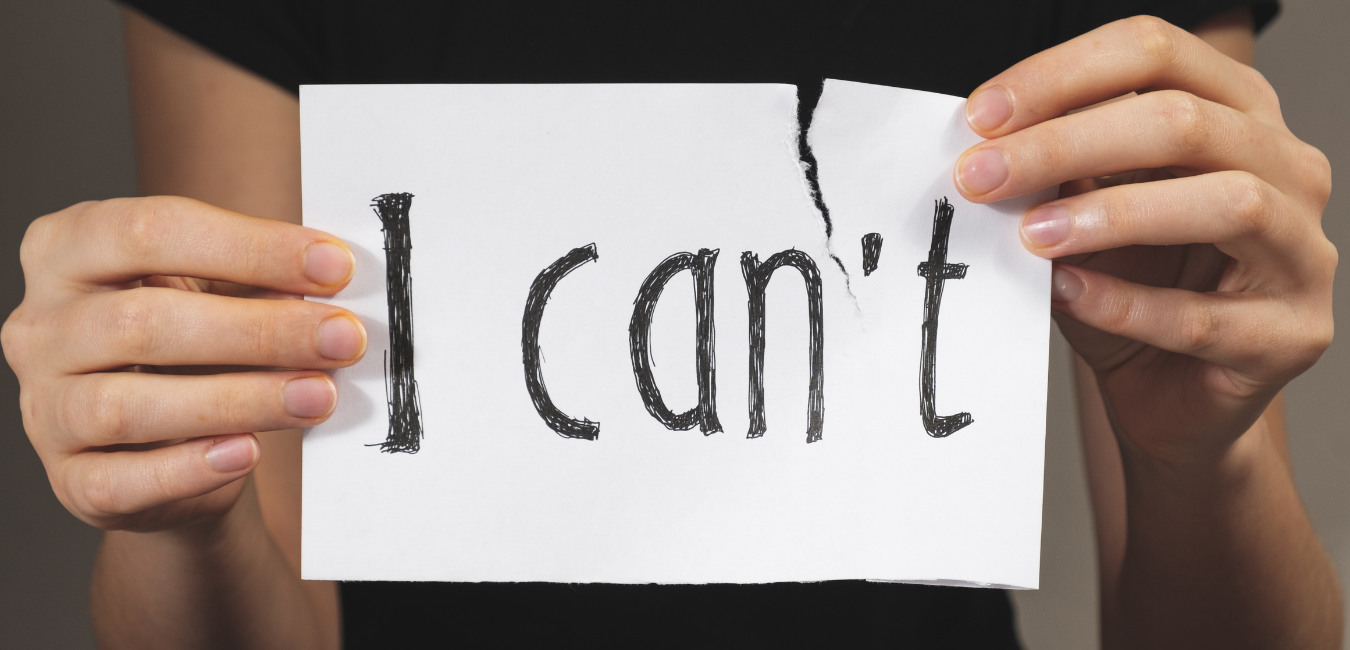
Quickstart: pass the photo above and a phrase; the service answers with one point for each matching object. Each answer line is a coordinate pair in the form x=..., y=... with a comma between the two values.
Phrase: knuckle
x=255, y=254
x=144, y=225
x=1332, y=255
x=1320, y=340
x=16, y=335
x=26, y=410
x=1156, y=39
x=233, y=406
x=37, y=243
x=107, y=411
x=1118, y=213
x=137, y=227
x=1185, y=120
x=1324, y=258
x=132, y=324
x=1117, y=313
x=1200, y=328
x=1324, y=334
x=1251, y=201
x=96, y=412
x=98, y=493
x=1313, y=340
x=1318, y=174
x=267, y=325
x=1260, y=89
x=1047, y=153
x=161, y=478
x=10, y=335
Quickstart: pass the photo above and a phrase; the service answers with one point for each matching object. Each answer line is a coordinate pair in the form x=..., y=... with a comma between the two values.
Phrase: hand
x=116, y=337
x=1192, y=273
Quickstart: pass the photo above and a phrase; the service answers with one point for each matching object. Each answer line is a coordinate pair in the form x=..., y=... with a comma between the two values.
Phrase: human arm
x=1226, y=296
x=202, y=548
x=208, y=130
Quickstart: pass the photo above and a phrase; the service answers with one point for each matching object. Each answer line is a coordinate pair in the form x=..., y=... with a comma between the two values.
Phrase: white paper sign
x=609, y=380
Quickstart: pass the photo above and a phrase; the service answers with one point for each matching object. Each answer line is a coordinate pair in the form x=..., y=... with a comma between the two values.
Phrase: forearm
x=1221, y=554
x=209, y=130
x=222, y=584
x=1217, y=554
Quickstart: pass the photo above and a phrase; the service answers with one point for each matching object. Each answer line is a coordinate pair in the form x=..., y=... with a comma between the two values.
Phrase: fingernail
x=310, y=397
x=1065, y=286
x=983, y=171
x=989, y=109
x=1047, y=225
x=328, y=264
x=341, y=338
x=232, y=454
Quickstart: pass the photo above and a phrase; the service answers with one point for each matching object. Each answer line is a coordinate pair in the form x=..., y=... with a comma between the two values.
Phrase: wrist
x=237, y=525
x=1202, y=484
x=214, y=531
x=1195, y=436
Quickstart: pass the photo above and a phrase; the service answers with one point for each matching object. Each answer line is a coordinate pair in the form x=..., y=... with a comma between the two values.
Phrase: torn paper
x=609, y=341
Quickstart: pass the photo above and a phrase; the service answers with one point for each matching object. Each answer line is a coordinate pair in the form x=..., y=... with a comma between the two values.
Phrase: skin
x=1192, y=290
x=1194, y=281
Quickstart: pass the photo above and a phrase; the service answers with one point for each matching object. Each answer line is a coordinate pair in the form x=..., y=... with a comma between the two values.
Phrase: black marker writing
x=400, y=387
x=756, y=281
x=640, y=333
x=937, y=271
x=871, y=245
x=540, y=290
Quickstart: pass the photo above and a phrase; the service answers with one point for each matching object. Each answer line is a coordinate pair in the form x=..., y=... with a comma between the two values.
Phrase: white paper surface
x=507, y=179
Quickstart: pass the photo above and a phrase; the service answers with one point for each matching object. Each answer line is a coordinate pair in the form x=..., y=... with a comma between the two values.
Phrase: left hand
x=1191, y=273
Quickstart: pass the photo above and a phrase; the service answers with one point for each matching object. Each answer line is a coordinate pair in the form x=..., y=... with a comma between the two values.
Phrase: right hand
x=131, y=307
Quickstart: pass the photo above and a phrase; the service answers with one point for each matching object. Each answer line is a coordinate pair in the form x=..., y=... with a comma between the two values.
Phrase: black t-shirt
x=947, y=47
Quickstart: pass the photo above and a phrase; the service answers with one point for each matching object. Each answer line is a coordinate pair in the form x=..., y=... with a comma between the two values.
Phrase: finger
x=1240, y=213
x=127, y=239
x=1245, y=332
x=167, y=327
x=108, y=484
x=120, y=408
x=1136, y=54
x=1162, y=129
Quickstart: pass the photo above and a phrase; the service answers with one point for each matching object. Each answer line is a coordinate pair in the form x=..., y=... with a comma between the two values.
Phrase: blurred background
x=65, y=136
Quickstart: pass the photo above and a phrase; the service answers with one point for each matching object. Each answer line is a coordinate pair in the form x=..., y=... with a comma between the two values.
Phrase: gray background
x=65, y=136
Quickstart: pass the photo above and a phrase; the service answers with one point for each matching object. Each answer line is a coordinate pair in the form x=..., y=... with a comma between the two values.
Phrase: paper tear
x=806, y=159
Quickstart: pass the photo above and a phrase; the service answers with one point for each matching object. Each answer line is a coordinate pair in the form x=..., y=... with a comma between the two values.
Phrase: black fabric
x=947, y=47
x=822, y=615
